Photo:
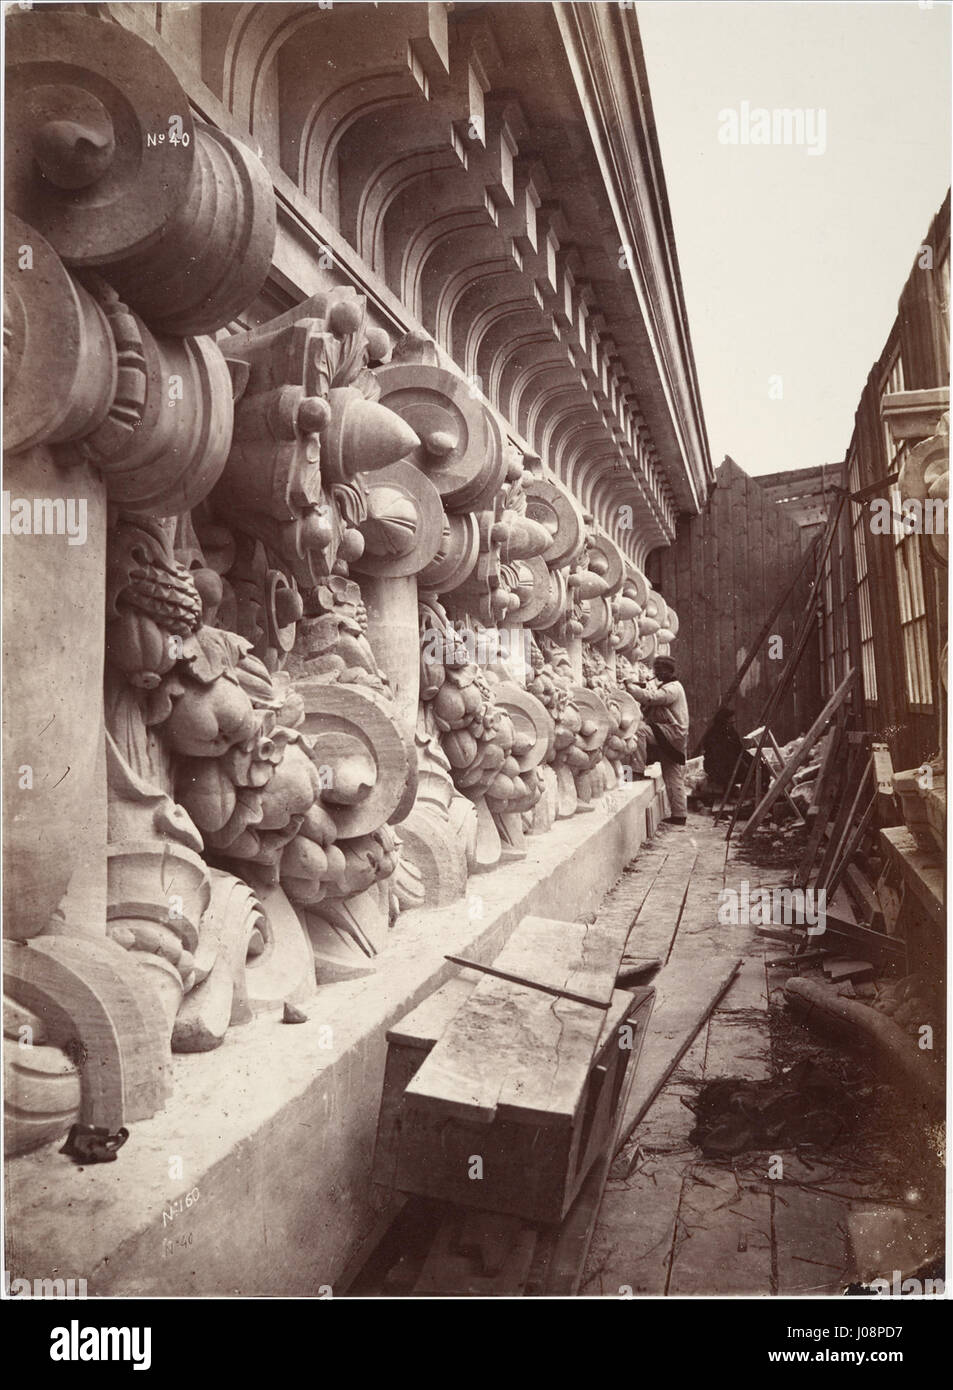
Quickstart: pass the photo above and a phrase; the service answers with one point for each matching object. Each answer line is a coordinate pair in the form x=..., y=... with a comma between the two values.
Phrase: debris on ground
x=804, y=1105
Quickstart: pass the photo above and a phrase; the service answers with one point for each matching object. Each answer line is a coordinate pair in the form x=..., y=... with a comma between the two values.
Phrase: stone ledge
x=282, y=1169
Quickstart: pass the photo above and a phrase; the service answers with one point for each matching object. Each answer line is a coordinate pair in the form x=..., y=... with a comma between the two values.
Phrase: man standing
x=724, y=750
x=663, y=735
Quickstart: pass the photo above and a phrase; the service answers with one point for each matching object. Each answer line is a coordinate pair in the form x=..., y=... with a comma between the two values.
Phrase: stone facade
x=372, y=391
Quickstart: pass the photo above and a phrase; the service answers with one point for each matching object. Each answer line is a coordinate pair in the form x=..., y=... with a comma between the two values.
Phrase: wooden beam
x=530, y=984
x=853, y=793
x=820, y=811
x=787, y=794
x=853, y=844
x=874, y=943
x=865, y=896
x=798, y=759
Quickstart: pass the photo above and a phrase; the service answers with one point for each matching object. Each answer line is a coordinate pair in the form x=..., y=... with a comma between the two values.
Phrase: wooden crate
x=529, y=1152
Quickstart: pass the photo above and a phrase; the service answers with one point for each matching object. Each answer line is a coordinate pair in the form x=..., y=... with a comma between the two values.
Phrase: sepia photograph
x=474, y=687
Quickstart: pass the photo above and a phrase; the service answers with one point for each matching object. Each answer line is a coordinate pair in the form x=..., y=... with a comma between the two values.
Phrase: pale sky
x=792, y=263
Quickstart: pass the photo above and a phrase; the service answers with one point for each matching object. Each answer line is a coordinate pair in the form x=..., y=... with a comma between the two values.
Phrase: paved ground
x=673, y=1222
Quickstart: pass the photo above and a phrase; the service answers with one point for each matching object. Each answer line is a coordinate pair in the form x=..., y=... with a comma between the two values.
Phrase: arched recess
x=550, y=410
x=420, y=193
x=503, y=340
x=561, y=392
x=609, y=497
x=312, y=130
x=417, y=212
x=491, y=302
x=531, y=356
x=372, y=146
x=453, y=266
x=578, y=415
x=341, y=38
x=661, y=512
x=586, y=463
x=552, y=372
x=571, y=443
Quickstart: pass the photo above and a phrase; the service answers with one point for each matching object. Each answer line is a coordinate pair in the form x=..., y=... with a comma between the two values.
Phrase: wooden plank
x=853, y=843
x=794, y=563
x=777, y=932
x=514, y=1047
x=689, y=542
x=677, y=1018
x=780, y=757
x=800, y=757
x=761, y=585
x=563, y=1254
x=728, y=590
x=848, y=969
x=738, y=1046
x=841, y=933
x=864, y=895
x=400, y=1068
x=593, y=975
x=848, y=790
x=781, y=686
x=889, y=890
x=823, y=801
x=629, y=895
x=703, y=564
x=705, y=569
x=811, y=1241
x=490, y=1254
x=635, y=1231
x=744, y=628
x=758, y=790
x=424, y=1024
x=842, y=906
x=723, y=1238
x=413, y=1037
x=654, y=930
x=516, y=1050
x=835, y=854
